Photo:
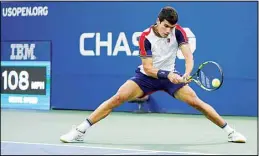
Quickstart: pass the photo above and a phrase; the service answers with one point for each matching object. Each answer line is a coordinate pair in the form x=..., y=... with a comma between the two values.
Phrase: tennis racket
x=209, y=76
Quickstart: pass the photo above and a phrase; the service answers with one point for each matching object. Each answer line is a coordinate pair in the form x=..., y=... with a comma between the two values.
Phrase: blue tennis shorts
x=149, y=84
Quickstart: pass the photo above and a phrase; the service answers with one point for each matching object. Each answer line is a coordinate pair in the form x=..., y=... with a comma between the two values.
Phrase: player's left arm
x=183, y=44
x=188, y=56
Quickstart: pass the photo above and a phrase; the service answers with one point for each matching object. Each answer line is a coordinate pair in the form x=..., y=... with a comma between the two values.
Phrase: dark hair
x=168, y=13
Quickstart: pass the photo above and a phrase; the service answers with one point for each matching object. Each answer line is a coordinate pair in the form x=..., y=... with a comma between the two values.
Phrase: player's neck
x=154, y=28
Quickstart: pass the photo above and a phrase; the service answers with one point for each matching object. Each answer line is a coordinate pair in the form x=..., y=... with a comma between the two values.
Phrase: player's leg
x=187, y=95
x=128, y=91
x=136, y=87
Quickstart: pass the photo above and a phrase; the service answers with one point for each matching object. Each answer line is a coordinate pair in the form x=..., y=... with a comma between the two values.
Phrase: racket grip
x=189, y=78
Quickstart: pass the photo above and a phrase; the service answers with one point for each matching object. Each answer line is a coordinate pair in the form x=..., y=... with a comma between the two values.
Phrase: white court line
x=126, y=149
x=132, y=153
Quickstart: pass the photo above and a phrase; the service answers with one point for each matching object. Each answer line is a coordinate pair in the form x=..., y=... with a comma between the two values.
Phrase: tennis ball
x=215, y=82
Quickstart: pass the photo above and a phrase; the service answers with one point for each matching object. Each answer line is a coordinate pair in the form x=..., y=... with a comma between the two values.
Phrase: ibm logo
x=22, y=52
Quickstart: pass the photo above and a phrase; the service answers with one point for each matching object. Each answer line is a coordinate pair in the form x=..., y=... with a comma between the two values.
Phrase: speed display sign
x=25, y=74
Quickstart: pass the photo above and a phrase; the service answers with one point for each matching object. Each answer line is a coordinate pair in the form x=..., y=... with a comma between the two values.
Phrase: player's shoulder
x=147, y=31
x=179, y=27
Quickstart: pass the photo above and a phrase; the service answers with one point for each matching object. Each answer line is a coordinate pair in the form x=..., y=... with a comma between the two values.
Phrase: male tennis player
x=158, y=47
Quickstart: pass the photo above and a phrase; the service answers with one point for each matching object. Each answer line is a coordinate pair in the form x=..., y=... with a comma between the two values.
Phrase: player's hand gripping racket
x=209, y=76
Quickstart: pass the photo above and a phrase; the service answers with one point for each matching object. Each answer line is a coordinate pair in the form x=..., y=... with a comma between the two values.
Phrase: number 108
x=20, y=80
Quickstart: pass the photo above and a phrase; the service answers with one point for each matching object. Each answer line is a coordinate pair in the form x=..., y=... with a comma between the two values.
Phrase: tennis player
x=158, y=46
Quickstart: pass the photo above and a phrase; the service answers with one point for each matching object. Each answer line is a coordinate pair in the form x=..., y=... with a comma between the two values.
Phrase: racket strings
x=205, y=80
x=208, y=73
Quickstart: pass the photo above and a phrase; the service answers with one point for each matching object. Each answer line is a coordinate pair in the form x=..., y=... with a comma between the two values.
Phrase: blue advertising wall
x=94, y=49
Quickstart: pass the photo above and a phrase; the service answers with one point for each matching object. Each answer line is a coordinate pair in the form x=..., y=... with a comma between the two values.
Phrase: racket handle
x=189, y=78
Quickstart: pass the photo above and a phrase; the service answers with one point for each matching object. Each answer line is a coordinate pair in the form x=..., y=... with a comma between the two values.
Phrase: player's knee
x=193, y=101
x=119, y=98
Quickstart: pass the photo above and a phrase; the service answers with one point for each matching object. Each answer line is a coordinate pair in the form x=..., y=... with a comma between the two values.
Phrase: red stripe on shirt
x=178, y=27
x=142, y=39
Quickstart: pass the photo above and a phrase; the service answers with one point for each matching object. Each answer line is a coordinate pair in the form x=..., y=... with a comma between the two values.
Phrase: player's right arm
x=150, y=70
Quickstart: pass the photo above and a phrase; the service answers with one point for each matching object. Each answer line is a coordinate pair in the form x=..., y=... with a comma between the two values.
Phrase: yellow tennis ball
x=215, y=82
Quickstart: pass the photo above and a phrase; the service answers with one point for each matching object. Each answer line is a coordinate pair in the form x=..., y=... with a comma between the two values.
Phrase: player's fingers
x=181, y=80
x=173, y=80
x=177, y=80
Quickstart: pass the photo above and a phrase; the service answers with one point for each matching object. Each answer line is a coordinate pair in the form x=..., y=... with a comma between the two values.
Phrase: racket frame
x=197, y=74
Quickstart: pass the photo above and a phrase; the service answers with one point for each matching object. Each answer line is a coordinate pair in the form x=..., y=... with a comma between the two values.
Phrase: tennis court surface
x=38, y=132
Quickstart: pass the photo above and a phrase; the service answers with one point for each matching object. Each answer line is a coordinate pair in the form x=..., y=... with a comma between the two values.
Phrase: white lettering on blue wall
x=25, y=11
